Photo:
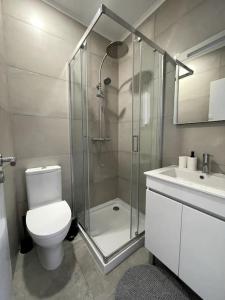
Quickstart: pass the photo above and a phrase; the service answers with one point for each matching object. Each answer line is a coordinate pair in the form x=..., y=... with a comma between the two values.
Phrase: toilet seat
x=48, y=220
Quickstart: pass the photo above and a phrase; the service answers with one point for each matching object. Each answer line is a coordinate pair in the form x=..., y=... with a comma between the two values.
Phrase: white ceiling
x=133, y=11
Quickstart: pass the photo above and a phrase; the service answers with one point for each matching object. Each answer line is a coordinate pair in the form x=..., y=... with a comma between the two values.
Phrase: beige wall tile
x=2, y=44
x=109, y=69
x=110, y=130
x=43, y=16
x=77, y=101
x=6, y=142
x=124, y=189
x=104, y=166
x=148, y=27
x=38, y=95
x=97, y=44
x=111, y=104
x=124, y=136
x=204, y=138
x=125, y=73
x=76, y=135
x=171, y=11
x=171, y=141
x=103, y=191
x=32, y=49
x=125, y=106
x=3, y=87
x=194, y=27
x=146, y=165
x=40, y=136
x=169, y=91
x=124, y=164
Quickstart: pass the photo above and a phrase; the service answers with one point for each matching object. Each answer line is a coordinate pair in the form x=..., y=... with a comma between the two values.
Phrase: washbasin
x=213, y=180
x=211, y=184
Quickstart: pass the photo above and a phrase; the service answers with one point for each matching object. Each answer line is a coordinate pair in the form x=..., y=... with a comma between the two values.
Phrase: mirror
x=200, y=83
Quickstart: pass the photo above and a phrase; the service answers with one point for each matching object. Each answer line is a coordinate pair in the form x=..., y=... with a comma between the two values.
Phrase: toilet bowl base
x=51, y=257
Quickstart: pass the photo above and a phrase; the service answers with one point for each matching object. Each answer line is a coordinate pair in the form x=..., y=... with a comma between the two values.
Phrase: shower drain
x=116, y=208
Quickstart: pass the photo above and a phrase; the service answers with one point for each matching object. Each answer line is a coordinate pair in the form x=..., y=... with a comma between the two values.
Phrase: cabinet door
x=162, y=229
x=202, y=256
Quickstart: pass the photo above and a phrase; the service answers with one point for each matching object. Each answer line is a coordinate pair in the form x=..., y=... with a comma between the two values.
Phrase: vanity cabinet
x=162, y=227
x=189, y=242
x=202, y=253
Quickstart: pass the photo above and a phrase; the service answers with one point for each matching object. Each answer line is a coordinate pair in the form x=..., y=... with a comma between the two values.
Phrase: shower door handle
x=135, y=143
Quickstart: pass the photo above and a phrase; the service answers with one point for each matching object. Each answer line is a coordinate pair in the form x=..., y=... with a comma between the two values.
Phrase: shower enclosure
x=116, y=108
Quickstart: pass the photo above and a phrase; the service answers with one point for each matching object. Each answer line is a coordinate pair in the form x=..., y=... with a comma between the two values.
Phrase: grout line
x=8, y=65
x=177, y=20
x=37, y=28
x=6, y=110
x=37, y=73
x=38, y=116
x=19, y=158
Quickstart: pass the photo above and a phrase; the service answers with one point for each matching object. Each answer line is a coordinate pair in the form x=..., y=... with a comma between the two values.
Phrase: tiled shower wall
x=103, y=155
x=125, y=123
x=7, y=149
x=176, y=26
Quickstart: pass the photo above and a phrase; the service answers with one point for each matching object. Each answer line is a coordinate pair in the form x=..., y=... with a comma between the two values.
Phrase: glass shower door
x=79, y=137
x=146, y=125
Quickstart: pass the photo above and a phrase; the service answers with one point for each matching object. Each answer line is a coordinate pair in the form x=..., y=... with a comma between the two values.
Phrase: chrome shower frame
x=138, y=240
x=104, y=10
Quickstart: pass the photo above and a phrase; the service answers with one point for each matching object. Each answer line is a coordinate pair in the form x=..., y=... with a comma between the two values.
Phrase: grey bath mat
x=147, y=282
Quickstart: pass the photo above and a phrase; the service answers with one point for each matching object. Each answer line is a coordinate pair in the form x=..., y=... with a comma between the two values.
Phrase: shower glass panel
x=110, y=142
x=79, y=136
x=146, y=125
x=116, y=123
x=136, y=106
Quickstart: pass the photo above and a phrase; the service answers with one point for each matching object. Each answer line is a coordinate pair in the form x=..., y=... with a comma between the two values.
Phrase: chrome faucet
x=205, y=163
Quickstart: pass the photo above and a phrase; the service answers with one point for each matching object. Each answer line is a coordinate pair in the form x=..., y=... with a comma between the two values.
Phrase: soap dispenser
x=192, y=162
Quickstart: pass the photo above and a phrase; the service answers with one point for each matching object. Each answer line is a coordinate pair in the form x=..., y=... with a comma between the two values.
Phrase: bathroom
x=94, y=119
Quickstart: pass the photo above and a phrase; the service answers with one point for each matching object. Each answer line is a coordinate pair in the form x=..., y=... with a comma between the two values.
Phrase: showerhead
x=107, y=81
x=117, y=49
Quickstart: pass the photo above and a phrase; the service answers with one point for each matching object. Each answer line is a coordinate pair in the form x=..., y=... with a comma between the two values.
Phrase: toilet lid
x=48, y=219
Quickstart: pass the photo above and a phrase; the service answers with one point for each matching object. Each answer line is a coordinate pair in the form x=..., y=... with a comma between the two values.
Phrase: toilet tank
x=44, y=185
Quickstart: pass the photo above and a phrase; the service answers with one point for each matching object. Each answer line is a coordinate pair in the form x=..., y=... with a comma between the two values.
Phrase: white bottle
x=192, y=162
x=183, y=162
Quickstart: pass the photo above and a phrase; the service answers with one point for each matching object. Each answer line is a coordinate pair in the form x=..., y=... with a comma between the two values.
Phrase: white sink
x=203, y=191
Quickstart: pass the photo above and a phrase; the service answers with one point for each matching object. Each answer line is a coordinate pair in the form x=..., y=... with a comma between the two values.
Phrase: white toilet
x=49, y=217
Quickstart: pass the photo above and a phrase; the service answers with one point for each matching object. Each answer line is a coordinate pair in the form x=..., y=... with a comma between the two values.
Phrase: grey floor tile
x=103, y=286
x=31, y=281
x=78, y=278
